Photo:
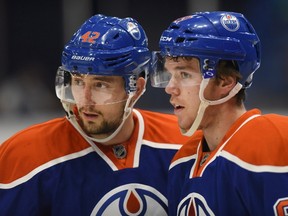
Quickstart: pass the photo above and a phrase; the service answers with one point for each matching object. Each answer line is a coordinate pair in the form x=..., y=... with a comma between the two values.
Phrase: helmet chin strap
x=205, y=103
x=72, y=118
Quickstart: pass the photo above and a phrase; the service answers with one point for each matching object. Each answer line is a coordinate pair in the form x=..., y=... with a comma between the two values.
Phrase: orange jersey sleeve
x=34, y=146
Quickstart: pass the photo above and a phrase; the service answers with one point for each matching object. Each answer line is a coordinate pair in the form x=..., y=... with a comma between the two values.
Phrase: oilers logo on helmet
x=130, y=200
x=230, y=22
x=133, y=30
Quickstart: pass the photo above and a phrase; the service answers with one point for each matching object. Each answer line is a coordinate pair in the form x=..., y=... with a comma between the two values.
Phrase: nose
x=172, y=88
x=87, y=95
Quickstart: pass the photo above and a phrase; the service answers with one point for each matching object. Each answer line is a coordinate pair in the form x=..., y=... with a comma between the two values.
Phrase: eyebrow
x=101, y=78
x=179, y=68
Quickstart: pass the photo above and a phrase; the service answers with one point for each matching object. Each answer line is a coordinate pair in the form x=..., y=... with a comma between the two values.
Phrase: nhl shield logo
x=132, y=200
x=119, y=151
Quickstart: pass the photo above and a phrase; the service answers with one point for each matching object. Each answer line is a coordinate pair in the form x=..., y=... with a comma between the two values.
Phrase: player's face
x=184, y=89
x=100, y=101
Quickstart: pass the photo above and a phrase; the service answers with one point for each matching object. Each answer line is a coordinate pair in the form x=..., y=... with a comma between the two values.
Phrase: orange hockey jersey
x=247, y=174
x=50, y=169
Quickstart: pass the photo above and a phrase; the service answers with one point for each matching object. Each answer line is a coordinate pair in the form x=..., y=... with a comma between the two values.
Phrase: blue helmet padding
x=214, y=36
x=108, y=46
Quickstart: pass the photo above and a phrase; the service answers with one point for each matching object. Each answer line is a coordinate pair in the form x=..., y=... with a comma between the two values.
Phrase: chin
x=184, y=124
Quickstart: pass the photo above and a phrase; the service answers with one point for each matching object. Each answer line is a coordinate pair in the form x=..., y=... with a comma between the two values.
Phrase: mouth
x=177, y=108
x=90, y=116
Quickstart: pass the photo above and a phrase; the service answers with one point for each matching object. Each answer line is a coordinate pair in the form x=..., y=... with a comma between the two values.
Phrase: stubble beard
x=103, y=127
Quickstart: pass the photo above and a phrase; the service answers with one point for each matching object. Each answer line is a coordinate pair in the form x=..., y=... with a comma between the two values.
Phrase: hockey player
x=237, y=163
x=104, y=158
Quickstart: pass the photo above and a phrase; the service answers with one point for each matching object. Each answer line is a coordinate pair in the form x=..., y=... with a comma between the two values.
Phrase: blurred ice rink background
x=11, y=124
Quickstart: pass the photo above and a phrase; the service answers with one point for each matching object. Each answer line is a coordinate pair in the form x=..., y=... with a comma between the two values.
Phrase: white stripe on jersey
x=45, y=166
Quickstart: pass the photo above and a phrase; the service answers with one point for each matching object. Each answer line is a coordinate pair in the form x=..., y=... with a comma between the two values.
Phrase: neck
x=218, y=120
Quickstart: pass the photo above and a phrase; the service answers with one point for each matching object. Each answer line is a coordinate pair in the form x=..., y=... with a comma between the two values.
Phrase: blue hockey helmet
x=108, y=46
x=214, y=36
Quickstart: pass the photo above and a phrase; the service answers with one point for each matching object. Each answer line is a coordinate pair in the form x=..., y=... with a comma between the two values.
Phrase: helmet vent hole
x=116, y=36
x=188, y=31
x=117, y=60
x=191, y=39
x=180, y=40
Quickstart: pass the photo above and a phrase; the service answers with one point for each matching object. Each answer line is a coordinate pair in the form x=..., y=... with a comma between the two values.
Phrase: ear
x=141, y=85
x=227, y=83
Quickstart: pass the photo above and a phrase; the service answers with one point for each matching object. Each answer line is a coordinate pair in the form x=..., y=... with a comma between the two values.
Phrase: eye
x=101, y=85
x=185, y=75
x=78, y=82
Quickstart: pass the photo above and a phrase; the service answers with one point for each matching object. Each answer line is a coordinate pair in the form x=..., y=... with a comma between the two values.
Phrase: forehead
x=98, y=77
x=180, y=63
